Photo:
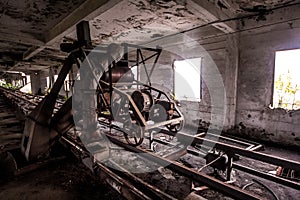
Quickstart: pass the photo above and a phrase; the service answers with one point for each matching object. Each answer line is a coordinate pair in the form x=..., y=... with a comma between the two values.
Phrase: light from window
x=27, y=86
x=287, y=80
x=134, y=70
x=55, y=78
x=187, y=79
x=48, y=82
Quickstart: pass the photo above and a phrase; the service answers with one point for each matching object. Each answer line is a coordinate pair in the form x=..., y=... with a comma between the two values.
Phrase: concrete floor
x=69, y=179
x=64, y=180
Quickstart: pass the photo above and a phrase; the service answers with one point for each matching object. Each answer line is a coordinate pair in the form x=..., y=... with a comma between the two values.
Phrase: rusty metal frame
x=139, y=117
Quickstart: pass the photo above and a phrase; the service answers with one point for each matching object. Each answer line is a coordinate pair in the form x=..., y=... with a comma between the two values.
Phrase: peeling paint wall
x=200, y=113
x=246, y=64
x=209, y=113
x=255, y=79
x=218, y=54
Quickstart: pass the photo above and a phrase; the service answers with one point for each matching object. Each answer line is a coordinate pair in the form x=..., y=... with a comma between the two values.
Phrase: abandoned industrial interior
x=149, y=99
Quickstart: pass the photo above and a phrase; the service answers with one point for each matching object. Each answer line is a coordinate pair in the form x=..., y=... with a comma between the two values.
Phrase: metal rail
x=136, y=190
x=211, y=182
x=267, y=176
x=234, y=150
x=11, y=129
x=18, y=97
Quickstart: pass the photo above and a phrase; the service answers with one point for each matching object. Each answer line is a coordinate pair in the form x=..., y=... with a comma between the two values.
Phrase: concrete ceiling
x=140, y=21
x=31, y=30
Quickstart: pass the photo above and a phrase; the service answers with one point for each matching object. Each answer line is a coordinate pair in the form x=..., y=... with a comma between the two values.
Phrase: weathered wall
x=245, y=62
x=213, y=77
x=255, y=78
x=218, y=51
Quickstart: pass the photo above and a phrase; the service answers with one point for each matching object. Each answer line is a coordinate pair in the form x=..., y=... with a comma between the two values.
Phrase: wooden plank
x=11, y=142
x=32, y=52
x=18, y=37
x=10, y=121
x=8, y=146
x=13, y=129
x=5, y=108
x=3, y=132
x=7, y=115
x=11, y=136
x=2, y=111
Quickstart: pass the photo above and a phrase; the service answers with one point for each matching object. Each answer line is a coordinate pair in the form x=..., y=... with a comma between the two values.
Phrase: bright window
x=287, y=80
x=187, y=82
x=135, y=72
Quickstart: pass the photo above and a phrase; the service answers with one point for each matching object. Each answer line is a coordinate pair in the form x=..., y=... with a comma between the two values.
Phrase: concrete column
x=231, y=74
x=43, y=81
x=38, y=82
x=35, y=83
x=51, y=77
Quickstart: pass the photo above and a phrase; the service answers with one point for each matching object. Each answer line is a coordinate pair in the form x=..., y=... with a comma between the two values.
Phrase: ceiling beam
x=16, y=36
x=85, y=11
x=32, y=52
x=209, y=12
x=230, y=6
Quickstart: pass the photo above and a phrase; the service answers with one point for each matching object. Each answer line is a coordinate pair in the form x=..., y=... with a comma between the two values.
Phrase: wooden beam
x=87, y=10
x=232, y=6
x=12, y=136
x=32, y=52
x=210, y=13
x=15, y=36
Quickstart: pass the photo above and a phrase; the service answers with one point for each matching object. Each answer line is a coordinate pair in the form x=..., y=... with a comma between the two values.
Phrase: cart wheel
x=175, y=128
x=135, y=135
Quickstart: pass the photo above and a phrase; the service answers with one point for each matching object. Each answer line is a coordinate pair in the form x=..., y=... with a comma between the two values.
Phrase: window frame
x=273, y=76
x=201, y=83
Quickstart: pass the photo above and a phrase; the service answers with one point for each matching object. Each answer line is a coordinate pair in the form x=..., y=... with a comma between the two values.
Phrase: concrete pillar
x=51, y=77
x=43, y=81
x=35, y=82
x=38, y=82
x=232, y=63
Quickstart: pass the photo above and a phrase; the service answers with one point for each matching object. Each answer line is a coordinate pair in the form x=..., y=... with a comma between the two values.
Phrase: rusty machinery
x=138, y=107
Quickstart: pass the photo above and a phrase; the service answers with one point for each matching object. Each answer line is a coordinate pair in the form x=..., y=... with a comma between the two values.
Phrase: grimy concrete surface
x=246, y=62
x=255, y=79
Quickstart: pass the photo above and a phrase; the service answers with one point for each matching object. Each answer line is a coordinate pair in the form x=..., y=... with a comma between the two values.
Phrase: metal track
x=127, y=188
x=131, y=186
x=11, y=126
x=211, y=182
x=231, y=150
